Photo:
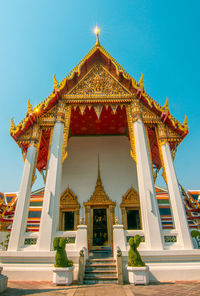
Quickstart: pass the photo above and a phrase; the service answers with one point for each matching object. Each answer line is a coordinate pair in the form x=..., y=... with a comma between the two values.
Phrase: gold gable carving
x=173, y=136
x=130, y=199
x=69, y=199
x=148, y=116
x=98, y=82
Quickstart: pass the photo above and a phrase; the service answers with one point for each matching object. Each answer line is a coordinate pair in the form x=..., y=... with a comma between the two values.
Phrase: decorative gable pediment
x=98, y=82
x=130, y=199
x=69, y=199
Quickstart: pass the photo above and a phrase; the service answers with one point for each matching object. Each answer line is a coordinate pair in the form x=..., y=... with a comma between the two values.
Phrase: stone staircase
x=100, y=267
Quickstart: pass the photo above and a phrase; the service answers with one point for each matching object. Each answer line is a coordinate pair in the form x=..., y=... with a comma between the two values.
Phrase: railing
x=69, y=235
x=119, y=267
x=81, y=269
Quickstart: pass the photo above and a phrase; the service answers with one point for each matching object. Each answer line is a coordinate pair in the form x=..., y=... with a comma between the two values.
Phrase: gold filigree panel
x=98, y=82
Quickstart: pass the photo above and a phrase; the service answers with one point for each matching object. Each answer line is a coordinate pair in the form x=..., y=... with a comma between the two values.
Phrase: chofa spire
x=96, y=30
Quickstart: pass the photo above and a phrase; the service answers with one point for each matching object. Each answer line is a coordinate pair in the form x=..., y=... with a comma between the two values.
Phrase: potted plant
x=138, y=272
x=63, y=268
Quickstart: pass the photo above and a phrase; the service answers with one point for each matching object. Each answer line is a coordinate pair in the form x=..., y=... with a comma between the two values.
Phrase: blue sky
x=41, y=38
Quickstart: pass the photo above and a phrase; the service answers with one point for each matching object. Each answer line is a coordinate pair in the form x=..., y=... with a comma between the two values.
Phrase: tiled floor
x=47, y=288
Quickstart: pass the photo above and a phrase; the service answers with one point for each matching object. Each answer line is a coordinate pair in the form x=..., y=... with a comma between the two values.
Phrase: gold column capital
x=60, y=116
x=136, y=111
x=35, y=135
x=162, y=133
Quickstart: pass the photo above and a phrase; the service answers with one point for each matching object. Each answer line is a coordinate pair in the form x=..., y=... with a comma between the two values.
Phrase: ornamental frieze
x=98, y=81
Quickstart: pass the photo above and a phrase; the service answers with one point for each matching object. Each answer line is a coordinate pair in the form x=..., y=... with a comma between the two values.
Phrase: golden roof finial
x=12, y=125
x=96, y=31
x=185, y=123
x=29, y=107
x=166, y=105
x=55, y=82
x=141, y=81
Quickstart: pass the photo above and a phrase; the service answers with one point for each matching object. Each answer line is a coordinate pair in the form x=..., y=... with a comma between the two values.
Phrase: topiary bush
x=61, y=256
x=195, y=233
x=133, y=254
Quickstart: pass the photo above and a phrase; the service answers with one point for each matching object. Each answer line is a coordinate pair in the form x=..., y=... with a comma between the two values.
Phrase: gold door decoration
x=69, y=202
x=130, y=201
x=99, y=200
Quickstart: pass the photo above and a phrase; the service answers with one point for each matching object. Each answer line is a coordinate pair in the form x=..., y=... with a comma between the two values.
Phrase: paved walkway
x=49, y=289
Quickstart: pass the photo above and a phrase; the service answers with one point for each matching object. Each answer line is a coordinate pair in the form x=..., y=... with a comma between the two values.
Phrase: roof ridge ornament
x=96, y=31
x=29, y=107
x=55, y=82
x=166, y=105
x=141, y=82
x=185, y=123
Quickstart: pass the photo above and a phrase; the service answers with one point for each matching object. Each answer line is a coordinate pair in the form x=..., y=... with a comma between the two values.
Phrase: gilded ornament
x=66, y=132
x=166, y=105
x=98, y=110
x=98, y=82
x=29, y=107
x=131, y=132
x=55, y=82
x=141, y=81
x=12, y=126
x=82, y=109
x=185, y=122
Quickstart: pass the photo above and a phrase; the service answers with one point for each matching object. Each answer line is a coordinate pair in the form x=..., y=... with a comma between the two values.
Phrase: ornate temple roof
x=65, y=87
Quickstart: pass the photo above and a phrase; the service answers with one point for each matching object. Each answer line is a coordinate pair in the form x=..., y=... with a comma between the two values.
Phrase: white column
x=21, y=212
x=149, y=208
x=151, y=223
x=177, y=207
x=50, y=212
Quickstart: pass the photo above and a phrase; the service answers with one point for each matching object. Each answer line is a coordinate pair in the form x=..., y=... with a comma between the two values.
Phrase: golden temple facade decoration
x=98, y=81
x=131, y=132
x=149, y=116
x=66, y=132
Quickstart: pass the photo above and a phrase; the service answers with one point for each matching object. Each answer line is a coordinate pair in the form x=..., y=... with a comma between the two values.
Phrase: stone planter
x=138, y=275
x=63, y=276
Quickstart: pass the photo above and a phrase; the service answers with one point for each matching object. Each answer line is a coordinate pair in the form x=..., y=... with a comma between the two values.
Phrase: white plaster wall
x=118, y=170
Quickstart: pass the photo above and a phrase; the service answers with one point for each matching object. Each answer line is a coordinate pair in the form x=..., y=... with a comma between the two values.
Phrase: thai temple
x=99, y=140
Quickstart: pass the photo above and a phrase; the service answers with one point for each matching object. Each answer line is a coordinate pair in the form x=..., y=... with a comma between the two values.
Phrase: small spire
x=12, y=125
x=55, y=82
x=141, y=81
x=185, y=123
x=29, y=106
x=99, y=175
x=166, y=105
x=96, y=30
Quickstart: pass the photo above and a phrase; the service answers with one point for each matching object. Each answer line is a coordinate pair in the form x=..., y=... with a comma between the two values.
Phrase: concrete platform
x=49, y=289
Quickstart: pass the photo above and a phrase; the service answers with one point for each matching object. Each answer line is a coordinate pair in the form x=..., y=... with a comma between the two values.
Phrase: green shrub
x=195, y=233
x=133, y=254
x=61, y=259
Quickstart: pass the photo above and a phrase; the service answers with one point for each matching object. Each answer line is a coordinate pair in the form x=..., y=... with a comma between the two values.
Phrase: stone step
x=99, y=281
x=98, y=260
x=100, y=267
x=100, y=277
x=90, y=272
